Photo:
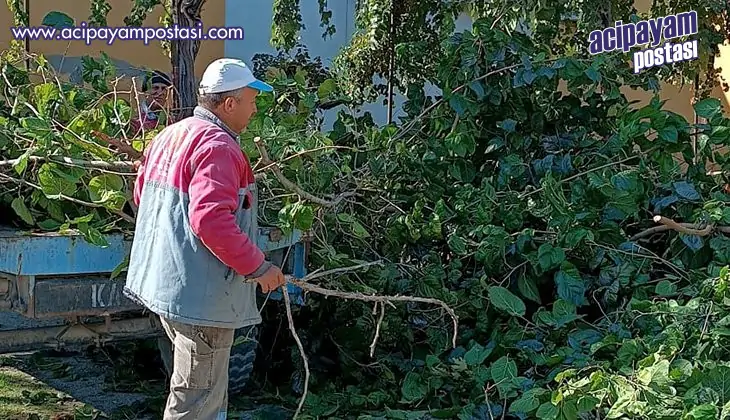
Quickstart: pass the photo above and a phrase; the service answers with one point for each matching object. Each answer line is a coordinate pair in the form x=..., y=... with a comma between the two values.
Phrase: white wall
x=256, y=19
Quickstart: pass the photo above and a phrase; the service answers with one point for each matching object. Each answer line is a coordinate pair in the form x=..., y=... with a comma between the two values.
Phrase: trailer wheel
x=240, y=366
x=243, y=356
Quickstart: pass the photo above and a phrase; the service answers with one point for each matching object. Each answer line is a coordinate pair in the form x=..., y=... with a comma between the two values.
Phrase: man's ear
x=229, y=103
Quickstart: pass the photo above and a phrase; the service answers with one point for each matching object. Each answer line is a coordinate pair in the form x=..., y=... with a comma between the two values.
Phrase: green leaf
x=547, y=411
x=457, y=244
x=326, y=88
x=477, y=355
x=703, y=412
x=593, y=74
x=22, y=162
x=357, y=228
x=669, y=134
x=508, y=125
x=92, y=235
x=549, y=256
x=657, y=373
x=587, y=403
x=575, y=236
x=708, y=108
x=503, y=369
x=44, y=94
x=414, y=387
x=528, y=288
x=686, y=190
x=505, y=300
x=665, y=288
x=563, y=313
x=718, y=379
x=107, y=189
x=570, y=284
x=21, y=210
x=525, y=404
x=53, y=182
x=57, y=20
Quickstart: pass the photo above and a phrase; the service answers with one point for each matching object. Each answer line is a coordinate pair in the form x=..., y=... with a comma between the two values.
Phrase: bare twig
x=95, y=164
x=267, y=162
x=686, y=228
x=302, y=353
x=377, y=328
x=307, y=287
x=333, y=271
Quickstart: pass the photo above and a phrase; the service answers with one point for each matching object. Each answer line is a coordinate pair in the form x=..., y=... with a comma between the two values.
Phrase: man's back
x=195, y=228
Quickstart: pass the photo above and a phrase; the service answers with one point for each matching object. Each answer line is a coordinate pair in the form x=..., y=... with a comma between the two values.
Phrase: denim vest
x=173, y=274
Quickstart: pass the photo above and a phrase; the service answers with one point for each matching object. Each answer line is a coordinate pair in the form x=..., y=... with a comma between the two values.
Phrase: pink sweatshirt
x=206, y=166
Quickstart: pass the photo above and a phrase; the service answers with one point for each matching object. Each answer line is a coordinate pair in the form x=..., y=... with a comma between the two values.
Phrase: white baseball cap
x=226, y=74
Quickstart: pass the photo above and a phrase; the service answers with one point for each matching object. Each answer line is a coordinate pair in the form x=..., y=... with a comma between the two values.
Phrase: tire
x=243, y=357
x=240, y=366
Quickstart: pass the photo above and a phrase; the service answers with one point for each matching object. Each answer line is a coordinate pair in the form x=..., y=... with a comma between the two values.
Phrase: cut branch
x=120, y=145
x=119, y=213
x=303, y=283
x=308, y=287
x=94, y=164
x=302, y=353
x=291, y=186
x=686, y=228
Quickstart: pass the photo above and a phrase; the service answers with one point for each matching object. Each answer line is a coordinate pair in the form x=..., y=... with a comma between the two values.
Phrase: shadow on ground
x=120, y=382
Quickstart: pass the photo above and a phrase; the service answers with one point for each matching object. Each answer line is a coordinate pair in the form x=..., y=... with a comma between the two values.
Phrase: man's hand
x=271, y=280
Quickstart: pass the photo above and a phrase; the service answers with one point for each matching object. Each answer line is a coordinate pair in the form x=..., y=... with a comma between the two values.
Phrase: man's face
x=157, y=96
x=240, y=109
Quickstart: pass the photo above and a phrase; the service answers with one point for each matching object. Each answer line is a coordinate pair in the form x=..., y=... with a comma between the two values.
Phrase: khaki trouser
x=199, y=382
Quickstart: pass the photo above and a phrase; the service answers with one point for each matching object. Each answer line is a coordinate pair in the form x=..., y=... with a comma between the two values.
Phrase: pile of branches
x=68, y=166
x=578, y=239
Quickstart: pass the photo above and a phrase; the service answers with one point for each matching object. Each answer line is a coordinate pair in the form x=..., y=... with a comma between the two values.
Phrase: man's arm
x=213, y=192
x=139, y=181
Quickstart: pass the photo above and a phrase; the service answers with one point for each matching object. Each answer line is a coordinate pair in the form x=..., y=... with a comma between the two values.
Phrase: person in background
x=156, y=88
x=194, y=259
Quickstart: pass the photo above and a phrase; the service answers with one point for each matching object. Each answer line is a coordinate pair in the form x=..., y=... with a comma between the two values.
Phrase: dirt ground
x=122, y=382
x=75, y=386
x=125, y=381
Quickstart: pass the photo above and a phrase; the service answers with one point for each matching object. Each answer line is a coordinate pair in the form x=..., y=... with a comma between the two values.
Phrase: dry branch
x=308, y=287
x=121, y=145
x=686, y=228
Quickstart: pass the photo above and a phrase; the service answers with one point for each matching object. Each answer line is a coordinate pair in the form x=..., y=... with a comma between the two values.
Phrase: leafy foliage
x=517, y=200
x=47, y=129
x=521, y=197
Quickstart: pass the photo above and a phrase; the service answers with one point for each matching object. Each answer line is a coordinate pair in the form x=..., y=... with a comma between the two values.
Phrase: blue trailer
x=61, y=277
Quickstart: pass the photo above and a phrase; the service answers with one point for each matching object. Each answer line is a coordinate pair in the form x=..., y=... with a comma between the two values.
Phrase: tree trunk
x=185, y=13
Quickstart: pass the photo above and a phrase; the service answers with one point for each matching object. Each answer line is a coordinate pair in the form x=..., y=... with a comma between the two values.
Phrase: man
x=194, y=253
x=156, y=88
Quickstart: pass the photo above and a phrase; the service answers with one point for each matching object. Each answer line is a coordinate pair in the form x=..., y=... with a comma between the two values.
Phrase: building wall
x=130, y=57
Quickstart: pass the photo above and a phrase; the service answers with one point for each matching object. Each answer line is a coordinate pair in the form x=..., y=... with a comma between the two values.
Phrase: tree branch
x=686, y=228
x=289, y=185
x=304, y=284
x=93, y=164
x=119, y=213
